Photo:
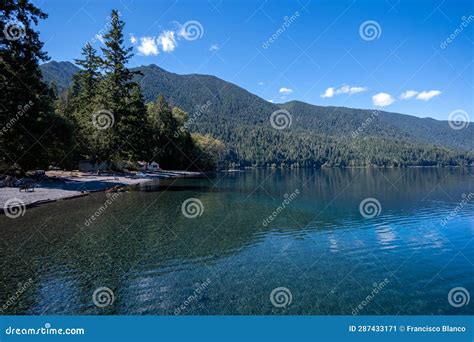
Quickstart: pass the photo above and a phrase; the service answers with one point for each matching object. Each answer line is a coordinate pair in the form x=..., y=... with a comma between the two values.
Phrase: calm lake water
x=298, y=233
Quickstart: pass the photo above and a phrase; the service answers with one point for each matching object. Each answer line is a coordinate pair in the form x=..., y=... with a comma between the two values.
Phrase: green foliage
x=104, y=84
x=110, y=95
x=319, y=136
x=61, y=73
x=29, y=125
x=211, y=150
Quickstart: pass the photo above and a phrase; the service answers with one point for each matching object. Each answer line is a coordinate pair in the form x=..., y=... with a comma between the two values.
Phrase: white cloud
x=284, y=90
x=382, y=99
x=167, y=41
x=427, y=95
x=133, y=39
x=100, y=38
x=355, y=90
x=328, y=93
x=408, y=94
x=260, y=83
x=271, y=101
x=214, y=47
x=350, y=90
x=423, y=96
x=148, y=46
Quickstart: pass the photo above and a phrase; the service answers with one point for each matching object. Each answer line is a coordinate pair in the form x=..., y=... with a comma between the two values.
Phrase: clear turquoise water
x=319, y=246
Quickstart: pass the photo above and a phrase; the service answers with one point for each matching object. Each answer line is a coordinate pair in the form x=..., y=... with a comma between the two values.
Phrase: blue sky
x=313, y=51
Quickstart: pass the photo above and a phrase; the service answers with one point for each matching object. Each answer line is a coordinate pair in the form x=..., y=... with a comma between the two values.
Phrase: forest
x=102, y=117
x=98, y=109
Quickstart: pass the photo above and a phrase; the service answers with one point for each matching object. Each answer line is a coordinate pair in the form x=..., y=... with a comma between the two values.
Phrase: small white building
x=152, y=167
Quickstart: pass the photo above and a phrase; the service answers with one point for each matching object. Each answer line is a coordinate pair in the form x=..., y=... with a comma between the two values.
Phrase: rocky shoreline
x=66, y=185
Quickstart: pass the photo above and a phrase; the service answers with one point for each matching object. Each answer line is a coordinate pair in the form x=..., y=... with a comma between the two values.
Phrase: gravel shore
x=66, y=185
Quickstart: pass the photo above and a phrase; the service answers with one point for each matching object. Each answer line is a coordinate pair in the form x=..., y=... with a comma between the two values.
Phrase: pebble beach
x=62, y=185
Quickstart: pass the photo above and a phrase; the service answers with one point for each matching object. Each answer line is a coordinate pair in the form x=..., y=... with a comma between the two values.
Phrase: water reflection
x=152, y=256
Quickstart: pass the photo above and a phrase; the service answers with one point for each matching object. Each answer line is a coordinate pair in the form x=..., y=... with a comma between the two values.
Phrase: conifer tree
x=119, y=94
x=32, y=134
x=86, y=80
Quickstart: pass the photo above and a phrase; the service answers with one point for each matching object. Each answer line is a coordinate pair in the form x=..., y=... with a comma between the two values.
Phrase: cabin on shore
x=151, y=167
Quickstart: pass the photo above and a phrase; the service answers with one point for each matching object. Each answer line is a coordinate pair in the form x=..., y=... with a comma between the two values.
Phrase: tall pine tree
x=31, y=134
x=120, y=95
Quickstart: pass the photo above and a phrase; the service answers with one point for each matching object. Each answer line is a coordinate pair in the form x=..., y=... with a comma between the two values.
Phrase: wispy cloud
x=423, y=96
x=382, y=99
x=214, y=47
x=408, y=94
x=148, y=46
x=100, y=38
x=285, y=90
x=331, y=92
x=350, y=90
x=427, y=95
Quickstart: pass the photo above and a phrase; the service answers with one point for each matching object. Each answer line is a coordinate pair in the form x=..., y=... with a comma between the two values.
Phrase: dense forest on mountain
x=318, y=136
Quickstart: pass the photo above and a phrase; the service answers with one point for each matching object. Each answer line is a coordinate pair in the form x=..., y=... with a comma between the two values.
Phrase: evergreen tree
x=32, y=134
x=162, y=126
x=119, y=95
x=86, y=80
x=134, y=129
x=114, y=62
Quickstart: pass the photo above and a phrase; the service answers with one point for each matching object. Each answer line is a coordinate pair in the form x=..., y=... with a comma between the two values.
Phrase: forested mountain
x=317, y=135
x=59, y=73
x=344, y=121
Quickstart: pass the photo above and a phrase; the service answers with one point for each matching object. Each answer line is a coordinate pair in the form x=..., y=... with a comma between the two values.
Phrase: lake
x=284, y=242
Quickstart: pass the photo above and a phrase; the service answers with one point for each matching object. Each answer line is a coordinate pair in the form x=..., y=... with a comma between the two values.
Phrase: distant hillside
x=317, y=136
x=59, y=72
x=343, y=121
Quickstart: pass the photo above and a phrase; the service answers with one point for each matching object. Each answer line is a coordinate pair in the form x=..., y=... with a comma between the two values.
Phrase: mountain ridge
x=242, y=119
